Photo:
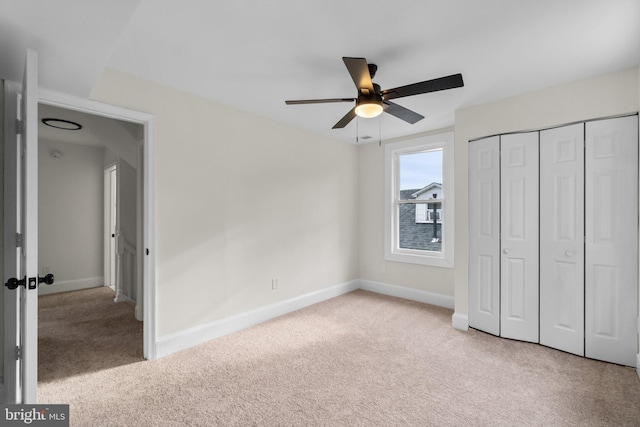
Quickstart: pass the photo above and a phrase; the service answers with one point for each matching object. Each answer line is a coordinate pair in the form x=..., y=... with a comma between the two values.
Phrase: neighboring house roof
x=430, y=187
x=407, y=194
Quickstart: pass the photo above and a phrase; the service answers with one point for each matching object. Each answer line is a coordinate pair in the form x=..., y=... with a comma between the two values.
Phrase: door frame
x=10, y=375
x=69, y=102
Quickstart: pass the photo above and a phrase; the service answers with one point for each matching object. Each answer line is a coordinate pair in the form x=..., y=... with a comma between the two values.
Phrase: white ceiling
x=253, y=54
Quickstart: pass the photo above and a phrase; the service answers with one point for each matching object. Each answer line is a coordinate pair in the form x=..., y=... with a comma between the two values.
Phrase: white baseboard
x=188, y=338
x=71, y=285
x=460, y=321
x=638, y=364
x=407, y=293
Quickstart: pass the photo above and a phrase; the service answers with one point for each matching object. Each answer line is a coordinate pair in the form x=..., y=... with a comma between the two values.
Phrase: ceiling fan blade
x=319, y=101
x=359, y=71
x=402, y=113
x=442, y=83
x=346, y=119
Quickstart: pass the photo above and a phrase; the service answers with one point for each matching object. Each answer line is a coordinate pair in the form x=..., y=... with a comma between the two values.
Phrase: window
x=419, y=200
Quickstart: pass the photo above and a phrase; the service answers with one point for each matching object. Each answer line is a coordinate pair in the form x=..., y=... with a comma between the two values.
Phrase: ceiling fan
x=372, y=101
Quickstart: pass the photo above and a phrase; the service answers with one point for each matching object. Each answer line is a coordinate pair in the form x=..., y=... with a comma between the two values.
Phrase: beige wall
x=371, y=219
x=240, y=200
x=607, y=95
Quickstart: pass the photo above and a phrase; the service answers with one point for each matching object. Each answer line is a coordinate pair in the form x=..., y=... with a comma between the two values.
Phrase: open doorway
x=95, y=272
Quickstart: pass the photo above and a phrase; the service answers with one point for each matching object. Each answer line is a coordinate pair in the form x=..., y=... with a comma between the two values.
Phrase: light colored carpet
x=83, y=332
x=360, y=359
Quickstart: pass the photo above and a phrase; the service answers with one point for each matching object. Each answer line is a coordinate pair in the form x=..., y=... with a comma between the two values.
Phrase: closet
x=553, y=237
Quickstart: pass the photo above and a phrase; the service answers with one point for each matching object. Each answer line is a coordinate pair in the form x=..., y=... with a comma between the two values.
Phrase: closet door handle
x=506, y=250
x=569, y=253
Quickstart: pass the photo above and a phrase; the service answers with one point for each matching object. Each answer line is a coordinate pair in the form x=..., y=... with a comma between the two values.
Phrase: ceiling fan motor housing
x=369, y=98
x=366, y=97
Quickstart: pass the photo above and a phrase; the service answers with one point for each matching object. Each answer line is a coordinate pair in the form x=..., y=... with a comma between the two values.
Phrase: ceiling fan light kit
x=369, y=108
x=372, y=101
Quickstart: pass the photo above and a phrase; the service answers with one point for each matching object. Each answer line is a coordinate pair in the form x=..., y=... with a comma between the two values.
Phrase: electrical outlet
x=274, y=284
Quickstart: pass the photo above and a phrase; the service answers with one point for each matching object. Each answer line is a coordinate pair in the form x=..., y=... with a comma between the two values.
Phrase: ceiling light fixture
x=369, y=103
x=62, y=124
x=369, y=109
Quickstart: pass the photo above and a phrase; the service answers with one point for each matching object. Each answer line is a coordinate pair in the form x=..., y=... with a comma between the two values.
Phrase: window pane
x=425, y=235
x=420, y=225
x=419, y=170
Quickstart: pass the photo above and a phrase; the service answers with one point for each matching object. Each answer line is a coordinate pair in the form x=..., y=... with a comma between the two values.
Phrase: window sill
x=412, y=257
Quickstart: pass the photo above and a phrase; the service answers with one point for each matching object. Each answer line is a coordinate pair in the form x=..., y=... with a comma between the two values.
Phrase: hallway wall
x=70, y=216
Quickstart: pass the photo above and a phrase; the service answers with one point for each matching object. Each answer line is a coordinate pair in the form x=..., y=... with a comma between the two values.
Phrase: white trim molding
x=72, y=285
x=412, y=294
x=460, y=321
x=188, y=338
x=182, y=340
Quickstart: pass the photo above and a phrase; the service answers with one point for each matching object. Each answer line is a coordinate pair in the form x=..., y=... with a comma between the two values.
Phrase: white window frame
x=393, y=151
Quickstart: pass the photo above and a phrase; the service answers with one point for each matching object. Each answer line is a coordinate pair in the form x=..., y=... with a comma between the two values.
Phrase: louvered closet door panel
x=484, y=235
x=519, y=243
x=611, y=240
x=562, y=238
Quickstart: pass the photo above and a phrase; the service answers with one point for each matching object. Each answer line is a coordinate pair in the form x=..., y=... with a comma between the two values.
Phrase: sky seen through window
x=418, y=170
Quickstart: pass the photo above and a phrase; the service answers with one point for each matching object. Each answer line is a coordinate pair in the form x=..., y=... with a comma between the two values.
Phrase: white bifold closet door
x=503, y=229
x=562, y=238
x=484, y=235
x=553, y=238
x=519, y=242
x=611, y=225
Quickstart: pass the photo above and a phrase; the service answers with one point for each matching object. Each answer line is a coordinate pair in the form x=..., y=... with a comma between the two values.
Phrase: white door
x=110, y=217
x=562, y=238
x=21, y=373
x=611, y=285
x=484, y=235
x=519, y=243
